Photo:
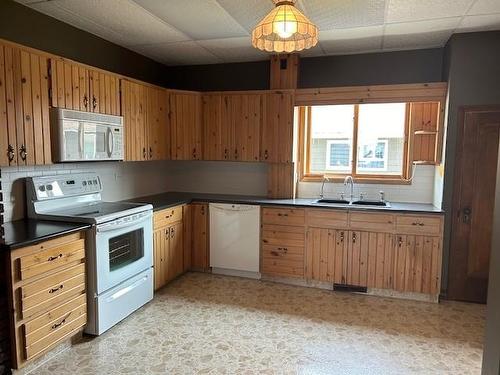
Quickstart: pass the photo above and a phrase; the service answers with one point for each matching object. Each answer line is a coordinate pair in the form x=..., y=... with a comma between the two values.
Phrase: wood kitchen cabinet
x=185, y=125
x=48, y=302
x=277, y=127
x=145, y=116
x=81, y=88
x=200, y=256
x=24, y=108
x=426, y=130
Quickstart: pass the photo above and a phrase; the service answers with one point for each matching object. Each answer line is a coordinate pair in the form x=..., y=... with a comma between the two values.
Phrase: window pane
x=381, y=132
x=331, y=138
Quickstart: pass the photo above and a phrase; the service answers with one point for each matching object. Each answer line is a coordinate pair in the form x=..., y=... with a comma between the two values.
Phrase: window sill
x=358, y=180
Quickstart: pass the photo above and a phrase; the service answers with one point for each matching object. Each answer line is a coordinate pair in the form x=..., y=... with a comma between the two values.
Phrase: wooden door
x=104, y=91
x=357, y=258
x=380, y=260
x=176, y=251
x=185, y=120
x=425, y=131
x=158, y=124
x=187, y=235
x=134, y=103
x=70, y=85
x=277, y=128
x=326, y=255
x=247, y=124
x=161, y=249
x=200, y=246
x=8, y=134
x=417, y=264
x=212, y=132
x=473, y=202
x=231, y=110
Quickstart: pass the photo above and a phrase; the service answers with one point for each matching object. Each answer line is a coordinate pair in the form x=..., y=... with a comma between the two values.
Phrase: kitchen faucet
x=321, y=194
x=349, y=180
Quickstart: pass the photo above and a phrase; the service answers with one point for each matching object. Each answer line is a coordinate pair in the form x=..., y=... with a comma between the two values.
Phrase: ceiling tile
x=352, y=33
x=198, y=19
x=335, y=14
x=247, y=13
x=415, y=10
x=313, y=52
x=486, y=22
x=437, y=25
x=485, y=7
x=181, y=53
x=234, y=49
x=416, y=41
x=133, y=24
x=350, y=46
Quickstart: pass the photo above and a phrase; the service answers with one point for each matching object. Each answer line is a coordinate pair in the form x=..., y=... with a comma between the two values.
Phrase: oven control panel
x=50, y=187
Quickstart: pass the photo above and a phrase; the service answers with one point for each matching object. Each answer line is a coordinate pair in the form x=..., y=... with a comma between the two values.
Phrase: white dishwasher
x=234, y=239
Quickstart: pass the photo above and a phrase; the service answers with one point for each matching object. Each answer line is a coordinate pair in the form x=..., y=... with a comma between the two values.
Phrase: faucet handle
x=361, y=196
x=342, y=196
x=382, y=195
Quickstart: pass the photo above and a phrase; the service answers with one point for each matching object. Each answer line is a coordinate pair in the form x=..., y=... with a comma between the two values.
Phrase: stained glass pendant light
x=284, y=29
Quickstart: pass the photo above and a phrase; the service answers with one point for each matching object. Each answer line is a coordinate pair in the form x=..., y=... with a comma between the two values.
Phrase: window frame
x=305, y=175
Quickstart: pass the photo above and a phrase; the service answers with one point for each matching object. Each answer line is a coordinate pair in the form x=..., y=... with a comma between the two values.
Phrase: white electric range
x=119, y=251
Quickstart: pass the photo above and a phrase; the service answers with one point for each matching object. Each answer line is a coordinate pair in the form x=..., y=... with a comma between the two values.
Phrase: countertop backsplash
x=421, y=189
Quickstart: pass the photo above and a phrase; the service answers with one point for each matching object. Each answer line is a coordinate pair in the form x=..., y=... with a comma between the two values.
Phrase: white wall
x=421, y=189
x=127, y=180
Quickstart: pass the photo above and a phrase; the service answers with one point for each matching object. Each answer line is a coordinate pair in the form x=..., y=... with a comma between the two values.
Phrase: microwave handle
x=111, y=142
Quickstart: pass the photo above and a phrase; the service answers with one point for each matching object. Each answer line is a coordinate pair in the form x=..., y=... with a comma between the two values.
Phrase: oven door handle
x=127, y=289
x=123, y=224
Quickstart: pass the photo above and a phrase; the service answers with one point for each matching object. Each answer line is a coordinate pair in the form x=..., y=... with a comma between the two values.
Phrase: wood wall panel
x=284, y=71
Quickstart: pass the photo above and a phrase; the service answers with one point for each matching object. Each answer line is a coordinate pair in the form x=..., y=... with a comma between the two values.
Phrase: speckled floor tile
x=207, y=324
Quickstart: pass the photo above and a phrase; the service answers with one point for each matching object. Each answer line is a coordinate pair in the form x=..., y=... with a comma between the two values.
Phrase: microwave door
x=89, y=141
x=72, y=142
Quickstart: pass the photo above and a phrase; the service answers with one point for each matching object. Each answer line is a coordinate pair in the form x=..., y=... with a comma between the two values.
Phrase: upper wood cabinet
x=426, y=130
x=145, y=116
x=80, y=88
x=231, y=124
x=24, y=108
x=277, y=128
x=185, y=126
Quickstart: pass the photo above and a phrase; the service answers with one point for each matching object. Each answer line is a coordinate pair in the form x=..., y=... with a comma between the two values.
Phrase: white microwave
x=84, y=136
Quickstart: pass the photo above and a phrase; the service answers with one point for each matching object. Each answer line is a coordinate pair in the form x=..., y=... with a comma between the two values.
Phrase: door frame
x=462, y=111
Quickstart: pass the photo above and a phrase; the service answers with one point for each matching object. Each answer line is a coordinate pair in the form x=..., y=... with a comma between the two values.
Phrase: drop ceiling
x=184, y=32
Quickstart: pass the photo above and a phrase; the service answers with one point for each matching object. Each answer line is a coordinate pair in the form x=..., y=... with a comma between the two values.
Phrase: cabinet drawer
x=52, y=258
x=282, y=267
x=327, y=218
x=54, y=320
x=283, y=235
x=52, y=290
x=283, y=216
x=414, y=224
x=167, y=216
x=293, y=253
x=372, y=221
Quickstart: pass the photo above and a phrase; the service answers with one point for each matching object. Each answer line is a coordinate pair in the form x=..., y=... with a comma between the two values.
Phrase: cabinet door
x=176, y=251
x=160, y=250
x=212, y=122
x=158, y=124
x=187, y=234
x=247, y=124
x=357, y=259
x=425, y=132
x=380, y=260
x=326, y=255
x=231, y=111
x=70, y=85
x=8, y=140
x=277, y=128
x=185, y=120
x=200, y=249
x=417, y=264
x=134, y=102
x=104, y=93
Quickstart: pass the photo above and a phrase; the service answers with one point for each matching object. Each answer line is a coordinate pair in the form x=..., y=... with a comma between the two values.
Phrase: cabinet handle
x=85, y=101
x=354, y=237
x=236, y=153
x=144, y=152
x=10, y=153
x=266, y=154
x=167, y=233
x=53, y=290
x=150, y=152
x=57, y=325
x=94, y=102
x=194, y=153
x=172, y=232
x=23, y=152
x=341, y=236
x=417, y=223
x=50, y=259
x=400, y=241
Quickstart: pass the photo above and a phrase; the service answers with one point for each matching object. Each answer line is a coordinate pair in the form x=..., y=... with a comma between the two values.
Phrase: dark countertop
x=26, y=232
x=170, y=199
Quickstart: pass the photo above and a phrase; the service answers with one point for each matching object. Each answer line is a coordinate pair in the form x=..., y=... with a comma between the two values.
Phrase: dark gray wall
x=472, y=69
x=23, y=25
x=329, y=71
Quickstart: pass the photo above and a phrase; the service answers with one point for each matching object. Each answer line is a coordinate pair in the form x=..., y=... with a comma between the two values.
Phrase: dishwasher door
x=234, y=239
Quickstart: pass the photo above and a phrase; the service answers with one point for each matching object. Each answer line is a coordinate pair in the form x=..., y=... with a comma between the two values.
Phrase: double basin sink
x=369, y=203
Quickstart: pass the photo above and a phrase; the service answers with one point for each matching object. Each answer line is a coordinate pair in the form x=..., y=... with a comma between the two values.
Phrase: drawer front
x=167, y=216
x=372, y=221
x=282, y=267
x=50, y=259
x=52, y=290
x=282, y=235
x=54, y=320
x=327, y=218
x=413, y=224
x=283, y=216
x=291, y=253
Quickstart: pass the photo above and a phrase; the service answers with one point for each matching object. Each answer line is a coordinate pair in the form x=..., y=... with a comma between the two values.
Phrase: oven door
x=124, y=248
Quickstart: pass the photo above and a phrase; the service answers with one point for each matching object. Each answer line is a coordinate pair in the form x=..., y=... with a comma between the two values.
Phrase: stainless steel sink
x=332, y=201
x=371, y=203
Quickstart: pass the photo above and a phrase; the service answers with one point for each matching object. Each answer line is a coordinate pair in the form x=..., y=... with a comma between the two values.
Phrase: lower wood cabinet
x=200, y=255
x=48, y=302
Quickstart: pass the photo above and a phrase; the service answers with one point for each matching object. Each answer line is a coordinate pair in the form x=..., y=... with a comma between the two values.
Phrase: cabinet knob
x=150, y=152
x=144, y=152
x=85, y=101
x=94, y=102
x=10, y=153
x=23, y=152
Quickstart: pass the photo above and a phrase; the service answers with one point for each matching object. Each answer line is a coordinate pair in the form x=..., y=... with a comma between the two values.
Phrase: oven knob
x=95, y=182
x=41, y=188
x=84, y=183
x=49, y=187
x=89, y=182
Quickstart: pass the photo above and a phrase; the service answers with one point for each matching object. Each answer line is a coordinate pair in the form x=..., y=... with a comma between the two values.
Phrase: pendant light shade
x=284, y=29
